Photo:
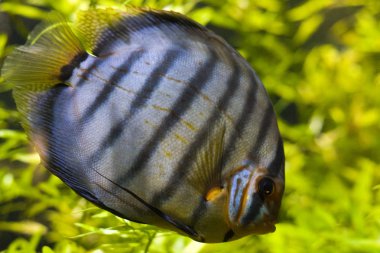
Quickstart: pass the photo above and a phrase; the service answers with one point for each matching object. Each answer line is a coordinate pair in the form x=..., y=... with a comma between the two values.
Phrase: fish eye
x=266, y=187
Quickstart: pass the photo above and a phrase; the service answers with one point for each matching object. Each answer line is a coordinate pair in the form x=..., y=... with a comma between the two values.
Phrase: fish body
x=154, y=118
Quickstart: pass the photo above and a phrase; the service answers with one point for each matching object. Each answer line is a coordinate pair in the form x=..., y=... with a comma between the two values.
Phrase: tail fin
x=51, y=53
x=46, y=58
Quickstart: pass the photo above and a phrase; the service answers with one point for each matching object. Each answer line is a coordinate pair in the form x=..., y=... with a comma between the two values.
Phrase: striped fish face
x=254, y=198
x=155, y=119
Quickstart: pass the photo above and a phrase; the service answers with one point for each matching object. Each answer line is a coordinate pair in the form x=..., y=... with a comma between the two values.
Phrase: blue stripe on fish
x=255, y=204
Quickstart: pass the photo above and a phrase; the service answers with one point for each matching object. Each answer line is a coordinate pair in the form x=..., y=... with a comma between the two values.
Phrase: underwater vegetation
x=320, y=63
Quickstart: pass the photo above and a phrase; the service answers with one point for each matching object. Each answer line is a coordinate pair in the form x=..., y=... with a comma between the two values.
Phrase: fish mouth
x=237, y=233
x=267, y=227
x=263, y=227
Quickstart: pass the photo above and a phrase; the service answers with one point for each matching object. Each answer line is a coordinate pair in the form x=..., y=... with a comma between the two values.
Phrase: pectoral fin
x=206, y=173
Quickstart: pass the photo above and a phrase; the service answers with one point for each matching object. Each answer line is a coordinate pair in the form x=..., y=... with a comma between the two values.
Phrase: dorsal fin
x=92, y=25
x=56, y=46
x=99, y=27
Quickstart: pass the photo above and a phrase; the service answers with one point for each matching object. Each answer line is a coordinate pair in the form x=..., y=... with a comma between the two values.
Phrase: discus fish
x=153, y=117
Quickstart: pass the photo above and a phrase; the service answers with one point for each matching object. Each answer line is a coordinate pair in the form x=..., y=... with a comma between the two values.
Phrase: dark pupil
x=266, y=186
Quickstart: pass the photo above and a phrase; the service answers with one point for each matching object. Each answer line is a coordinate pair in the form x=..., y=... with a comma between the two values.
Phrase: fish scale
x=113, y=158
x=154, y=118
x=127, y=106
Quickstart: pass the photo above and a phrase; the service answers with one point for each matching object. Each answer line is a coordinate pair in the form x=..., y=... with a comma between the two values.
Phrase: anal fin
x=174, y=222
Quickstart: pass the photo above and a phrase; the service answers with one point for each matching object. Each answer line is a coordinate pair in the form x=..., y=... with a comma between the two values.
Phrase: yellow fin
x=96, y=27
x=40, y=64
x=91, y=24
x=48, y=58
x=213, y=193
x=206, y=173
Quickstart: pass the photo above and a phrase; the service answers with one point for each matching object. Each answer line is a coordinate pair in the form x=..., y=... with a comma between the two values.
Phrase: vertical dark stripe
x=94, y=65
x=181, y=105
x=153, y=81
x=277, y=163
x=108, y=141
x=67, y=70
x=183, y=166
x=267, y=127
x=197, y=211
x=232, y=85
x=201, y=139
x=150, y=85
x=267, y=121
x=45, y=125
x=107, y=38
x=56, y=160
x=103, y=96
x=244, y=117
x=255, y=205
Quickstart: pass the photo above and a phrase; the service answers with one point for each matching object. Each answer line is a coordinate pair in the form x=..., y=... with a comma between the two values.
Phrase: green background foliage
x=320, y=62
